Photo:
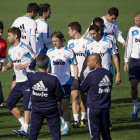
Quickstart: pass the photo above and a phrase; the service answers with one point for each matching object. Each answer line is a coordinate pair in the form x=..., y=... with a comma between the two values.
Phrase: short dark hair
x=15, y=31
x=43, y=8
x=137, y=14
x=1, y=25
x=59, y=35
x=113, y=11
x=75, y=26
x=94, y=27
x=42, y=61
x=32, y=7
x=98, y=19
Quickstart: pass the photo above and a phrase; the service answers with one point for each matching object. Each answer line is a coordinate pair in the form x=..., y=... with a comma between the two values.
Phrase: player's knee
x=75, y=98
x=10, y=105
x=133, y=86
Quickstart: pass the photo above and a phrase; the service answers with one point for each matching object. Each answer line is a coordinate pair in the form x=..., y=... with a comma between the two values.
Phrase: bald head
x=94, y=61
x=137, y=19
x=137, y=15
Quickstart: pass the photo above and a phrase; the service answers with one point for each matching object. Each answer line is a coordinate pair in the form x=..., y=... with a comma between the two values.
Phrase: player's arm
x=8, y=66
x=33, y=36
x=117, y=66
x=59, y=90
x=46, y=39
x=73, y=62
x=118, y=34
x=128, y=50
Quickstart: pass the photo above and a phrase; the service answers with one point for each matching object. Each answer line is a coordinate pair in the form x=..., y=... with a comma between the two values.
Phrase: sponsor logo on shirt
x=79, y=54
x=135, y=32
x=16, y=61
x=40, y=86
x=104, y=85
x=137, y=40
x=102, y=54
x=58, y=62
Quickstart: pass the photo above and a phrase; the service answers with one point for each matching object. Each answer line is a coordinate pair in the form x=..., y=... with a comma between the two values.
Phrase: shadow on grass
x=127, y=127
x=125, y=120
x=123, y=100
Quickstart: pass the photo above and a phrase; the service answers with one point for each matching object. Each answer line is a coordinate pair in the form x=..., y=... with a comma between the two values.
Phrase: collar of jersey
x=27, y=16
x=42, y=20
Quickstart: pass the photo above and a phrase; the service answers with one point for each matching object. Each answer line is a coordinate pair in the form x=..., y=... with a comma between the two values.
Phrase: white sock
x=136, y=105
x=62, y=119
x=66, y=125
x=21, y=120
x=76, y=117
x=25, y=127
x=83, y=115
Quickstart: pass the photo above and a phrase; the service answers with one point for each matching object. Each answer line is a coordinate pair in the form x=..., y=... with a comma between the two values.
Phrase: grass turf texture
x=64, y=12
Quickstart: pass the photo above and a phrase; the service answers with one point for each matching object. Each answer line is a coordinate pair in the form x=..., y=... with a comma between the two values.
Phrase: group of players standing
x=30, y=38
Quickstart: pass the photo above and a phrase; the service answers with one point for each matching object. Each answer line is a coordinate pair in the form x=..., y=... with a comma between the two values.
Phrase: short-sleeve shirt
x=20, y=54
x=60, y=61
x=79, y=47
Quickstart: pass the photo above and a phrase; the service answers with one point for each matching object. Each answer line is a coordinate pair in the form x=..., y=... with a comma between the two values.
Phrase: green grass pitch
x=64, y=12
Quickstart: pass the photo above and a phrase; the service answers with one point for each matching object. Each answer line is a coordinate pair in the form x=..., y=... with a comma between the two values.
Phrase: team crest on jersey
x=52, y=56
x=135, y=32
x=65, y=56
x=83, y=46
x=91, y=48
x=0, y=47
x=103, y=47
x=71, y=45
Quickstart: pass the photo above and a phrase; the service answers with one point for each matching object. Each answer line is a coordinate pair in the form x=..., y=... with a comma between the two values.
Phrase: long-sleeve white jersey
x=28, y=30
x=110, y=28
x=132, y=44
x=43, y=35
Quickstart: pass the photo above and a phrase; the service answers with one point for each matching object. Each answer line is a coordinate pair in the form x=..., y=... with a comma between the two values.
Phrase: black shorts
x=134, y=69
x=72, y=87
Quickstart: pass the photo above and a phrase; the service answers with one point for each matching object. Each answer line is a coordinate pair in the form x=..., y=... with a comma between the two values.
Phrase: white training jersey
x=43, y=35
x=28, y=29
x=60, y=61
x=132, y=44
x=21, y=54
x=79, y=47
x=110, y=28
x=104, y=48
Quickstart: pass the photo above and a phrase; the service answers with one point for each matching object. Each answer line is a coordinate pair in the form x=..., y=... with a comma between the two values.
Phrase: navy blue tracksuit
x=98, y=83
x=46, y=91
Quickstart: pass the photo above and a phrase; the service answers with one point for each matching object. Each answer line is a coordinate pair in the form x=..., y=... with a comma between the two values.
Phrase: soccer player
x=61, y=58
x=104, y=47
x=111, y=25
x=78, y=45
x=17, y=55
x=43, y=34
x=3, y=49
x=133, y=49
x=46, y=90
x=98, y=83
x=28, y=26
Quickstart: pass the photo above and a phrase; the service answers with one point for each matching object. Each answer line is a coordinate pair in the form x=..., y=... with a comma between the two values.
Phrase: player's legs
x=1, y=94
x=83, y=109
x=53, y=121
x=75, y=105
x=27, y=91
x=105, y=124
x=36, y=124
x=134, y=78
x=66, y=109
x=94, y=122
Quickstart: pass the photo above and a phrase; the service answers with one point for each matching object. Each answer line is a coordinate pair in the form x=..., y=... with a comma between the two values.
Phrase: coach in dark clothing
x=46, y=91
x=98, y=83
